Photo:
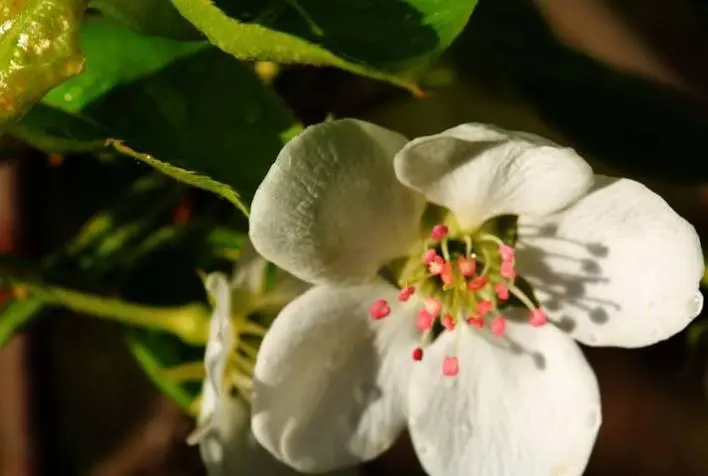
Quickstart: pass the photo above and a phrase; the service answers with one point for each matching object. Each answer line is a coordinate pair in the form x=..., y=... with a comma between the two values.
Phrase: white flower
x=345, y=207
x=225, y=439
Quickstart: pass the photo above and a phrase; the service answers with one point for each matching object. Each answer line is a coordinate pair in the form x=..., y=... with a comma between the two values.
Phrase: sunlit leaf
x=38, y=50
x=149, y=17
x=188, y=105
x=185, y=176
x=387, y=40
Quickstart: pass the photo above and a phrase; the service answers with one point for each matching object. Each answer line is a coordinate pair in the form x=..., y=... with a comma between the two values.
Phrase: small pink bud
x=477, y=283
x=417, y=354
x=423, y=320
x=448, y=322
x=506, y=252
x=502, y=291
x=498, y=326
x=507, y=270
x=380, y=309
x=406, y=293
x=429, y=256
x=467, y=266
x=537, y=317
x=439, y=232
x=451, y=366
x=432, y=306
x=483, y=307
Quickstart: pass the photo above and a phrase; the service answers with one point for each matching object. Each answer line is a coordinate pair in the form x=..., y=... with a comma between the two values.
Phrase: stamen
x=406, y=293
x=458, y=275
x=380, y=309
x=432, y=306
x=507, y=270
x=477, y=283
x=475, y=321
x=498, y=326
x=451, y=366
x=506, y=252
x=502, y=291
x=483, y=307
x=522, y=297
x=446, y=274
x=491, y=239
x=436, y=265
x=445, y=250
x=467, y=266
x=424, y=320
x=429, y=256
x=439, y=232
x=448, y=322
x=537, y=318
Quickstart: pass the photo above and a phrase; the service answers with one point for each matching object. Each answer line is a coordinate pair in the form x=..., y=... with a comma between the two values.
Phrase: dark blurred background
x=624, y=81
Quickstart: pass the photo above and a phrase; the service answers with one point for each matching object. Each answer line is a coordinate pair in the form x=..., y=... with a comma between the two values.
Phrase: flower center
x=248, y=333
x=462, y=278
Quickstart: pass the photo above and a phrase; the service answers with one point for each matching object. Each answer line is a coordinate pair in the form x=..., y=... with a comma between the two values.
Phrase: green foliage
x=385, y=39
x=186, y=105
x=149, y=17
x=38, y=50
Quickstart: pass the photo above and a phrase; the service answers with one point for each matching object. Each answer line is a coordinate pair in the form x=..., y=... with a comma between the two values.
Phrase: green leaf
x=387, y=39
x=180, y=106
x=185, y=176
x=149, y=17
x=38, y=50
x=153, y=362
x=111, y=239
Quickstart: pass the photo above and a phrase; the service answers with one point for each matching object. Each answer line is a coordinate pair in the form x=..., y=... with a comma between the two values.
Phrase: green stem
x=189, y=322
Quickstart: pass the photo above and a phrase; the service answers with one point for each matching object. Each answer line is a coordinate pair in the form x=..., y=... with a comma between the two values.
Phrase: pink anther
x=380, y=309
x=406, y=293
x=432, y=306
x=507, y=270
x=477, y=283
x=498, y=326
x=506, y=252
x=429, y=256
x=439, y=232
x=446, y=274
x=483, y=307
x=451, y=366
x=448, y=322
x=537, y=317
x=502, y=291
x=423, y=320
x=436, y=266
x=475, y=321
x=467, y=266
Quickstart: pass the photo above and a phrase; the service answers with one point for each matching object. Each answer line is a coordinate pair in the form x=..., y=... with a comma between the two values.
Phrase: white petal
x=230, y=448
x=330, y=208
x=618, y=268
x=250, y=270
x=219, y=346
x=478, y=171
x=329, y=381
x=221, y=336
x=526, y=404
